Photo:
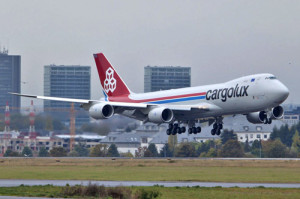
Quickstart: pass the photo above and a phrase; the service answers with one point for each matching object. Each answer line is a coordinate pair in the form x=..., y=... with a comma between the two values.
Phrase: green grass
x=152, y=170
x=174, y=193
x=220, y=174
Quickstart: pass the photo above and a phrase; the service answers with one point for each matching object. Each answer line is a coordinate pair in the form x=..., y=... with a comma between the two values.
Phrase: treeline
x=284, y=143
x=100, y=150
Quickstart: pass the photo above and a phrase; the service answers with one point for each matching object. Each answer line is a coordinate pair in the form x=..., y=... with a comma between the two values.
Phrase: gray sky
x=220, y=40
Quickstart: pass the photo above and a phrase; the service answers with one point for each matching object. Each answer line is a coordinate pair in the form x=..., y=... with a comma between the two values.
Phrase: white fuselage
x=239, y=96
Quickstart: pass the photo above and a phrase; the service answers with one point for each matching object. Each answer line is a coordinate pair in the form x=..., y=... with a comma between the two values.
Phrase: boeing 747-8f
x=258, y=97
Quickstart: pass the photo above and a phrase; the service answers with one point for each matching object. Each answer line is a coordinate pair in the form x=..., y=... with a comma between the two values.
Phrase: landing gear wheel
x=194, y=130
x=178, y=130
x=213, y=131
x=183, y=129
x=174, y=131
x=168, y=132
x=218, y=131
x=220, y=126
x=190, y=131
x=170, y=125
x=265, y=120
x=198, y=129
x=215, y=126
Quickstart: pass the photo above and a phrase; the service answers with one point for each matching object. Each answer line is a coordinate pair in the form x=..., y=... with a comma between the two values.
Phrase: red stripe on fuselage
x=125, y=98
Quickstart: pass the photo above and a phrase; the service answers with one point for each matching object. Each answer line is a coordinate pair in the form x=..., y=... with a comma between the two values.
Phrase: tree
x=247, y=146
x=113, y=151
x=79, y=151
x=18, y=121
x=296, y=142
x=11, y=153
x=58, y=152
x=27, y=152
x=151, y=151
x=172, y=142
x=256, y=148
x=43, y=152
x=49, y=124
x=165, y=151
x=284, y=134
x=57, y=125
x=186, y=150
x=100, y=150
x=232, y=148
x=211, y=153
x=274, y=149
x=227, y=135
x=127, y=155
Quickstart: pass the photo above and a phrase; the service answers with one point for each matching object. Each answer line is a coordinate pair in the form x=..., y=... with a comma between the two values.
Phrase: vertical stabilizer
x=111, y=82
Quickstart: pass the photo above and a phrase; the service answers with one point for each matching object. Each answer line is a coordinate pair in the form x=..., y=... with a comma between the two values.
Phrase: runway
x=14, y=183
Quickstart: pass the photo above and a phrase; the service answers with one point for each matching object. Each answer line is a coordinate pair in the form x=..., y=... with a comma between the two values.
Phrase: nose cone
x=282, y=91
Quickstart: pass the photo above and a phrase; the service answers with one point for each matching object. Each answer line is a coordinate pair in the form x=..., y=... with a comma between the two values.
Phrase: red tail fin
x=111, y=82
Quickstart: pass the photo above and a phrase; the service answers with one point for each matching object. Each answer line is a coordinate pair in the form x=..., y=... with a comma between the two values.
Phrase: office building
x=69, y=82
x=158, y=78
x=10, y=79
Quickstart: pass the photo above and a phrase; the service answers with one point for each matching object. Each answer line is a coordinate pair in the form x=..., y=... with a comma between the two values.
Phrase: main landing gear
x=217, y=127
x=194, y=130
x=176, y=129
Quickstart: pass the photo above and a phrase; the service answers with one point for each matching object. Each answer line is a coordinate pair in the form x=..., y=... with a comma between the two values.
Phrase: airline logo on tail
x=110, y=83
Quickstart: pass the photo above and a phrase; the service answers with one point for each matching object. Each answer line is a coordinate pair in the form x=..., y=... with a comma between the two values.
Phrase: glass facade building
x=10, y=79
x=69, y=82
x=158, y=78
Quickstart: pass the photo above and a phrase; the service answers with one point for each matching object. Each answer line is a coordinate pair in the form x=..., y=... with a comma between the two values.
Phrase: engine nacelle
x=277, y=112
x=160, y=115
x=257, y=117
x=101, y=111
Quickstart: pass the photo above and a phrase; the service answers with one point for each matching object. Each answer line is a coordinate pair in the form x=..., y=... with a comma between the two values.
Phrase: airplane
x=258, y=97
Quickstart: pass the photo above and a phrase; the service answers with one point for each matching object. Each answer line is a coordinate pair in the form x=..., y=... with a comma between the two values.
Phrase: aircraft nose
x=283, y=91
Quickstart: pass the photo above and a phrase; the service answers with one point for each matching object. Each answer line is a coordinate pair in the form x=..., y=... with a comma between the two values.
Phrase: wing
x=139, y=110
x=85, y=103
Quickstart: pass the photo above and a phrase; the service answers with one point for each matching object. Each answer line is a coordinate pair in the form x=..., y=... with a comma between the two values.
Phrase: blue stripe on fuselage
x=178, y=100
x=105, y=96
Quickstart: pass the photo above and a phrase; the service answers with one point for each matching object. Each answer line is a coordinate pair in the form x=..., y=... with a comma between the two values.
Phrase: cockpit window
x=271, y=77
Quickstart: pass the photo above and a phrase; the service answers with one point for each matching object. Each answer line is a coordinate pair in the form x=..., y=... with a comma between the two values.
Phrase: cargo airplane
x=258, y=97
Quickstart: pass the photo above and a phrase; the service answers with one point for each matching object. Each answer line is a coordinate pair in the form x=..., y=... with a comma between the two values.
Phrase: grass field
x=174, y=193
x=209, y=170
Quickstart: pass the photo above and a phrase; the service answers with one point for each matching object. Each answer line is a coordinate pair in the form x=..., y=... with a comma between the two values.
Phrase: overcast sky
x=220, y=40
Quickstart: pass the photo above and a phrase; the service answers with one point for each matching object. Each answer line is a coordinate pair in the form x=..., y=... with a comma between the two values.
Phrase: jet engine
x=257, y=117
x=160, y=115
x=101, y=111
x=277, y=112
